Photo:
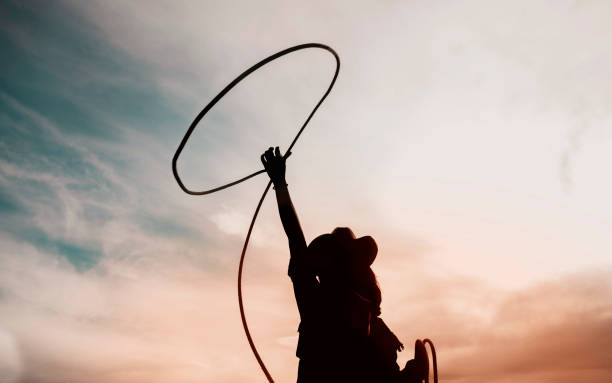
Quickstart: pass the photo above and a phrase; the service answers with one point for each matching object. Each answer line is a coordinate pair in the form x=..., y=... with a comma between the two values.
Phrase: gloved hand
x=274, y=163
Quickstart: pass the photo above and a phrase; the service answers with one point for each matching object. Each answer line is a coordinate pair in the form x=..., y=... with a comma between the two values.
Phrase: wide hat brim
x=366, y=248
x=339, y=246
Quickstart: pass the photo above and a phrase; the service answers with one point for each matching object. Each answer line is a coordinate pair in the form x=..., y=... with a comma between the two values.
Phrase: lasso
x=192, y=127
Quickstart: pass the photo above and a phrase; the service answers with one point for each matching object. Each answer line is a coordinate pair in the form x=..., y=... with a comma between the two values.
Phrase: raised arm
x=274, y=163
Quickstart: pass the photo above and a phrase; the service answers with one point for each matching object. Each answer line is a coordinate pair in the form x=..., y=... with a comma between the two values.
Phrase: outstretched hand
x=274, y=163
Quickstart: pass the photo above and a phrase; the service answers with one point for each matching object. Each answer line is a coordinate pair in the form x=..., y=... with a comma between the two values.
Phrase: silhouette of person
x=341, y=335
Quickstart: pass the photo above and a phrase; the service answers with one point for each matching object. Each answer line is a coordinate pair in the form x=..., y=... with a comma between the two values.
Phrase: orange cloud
x=556, y=331
x=130, y=323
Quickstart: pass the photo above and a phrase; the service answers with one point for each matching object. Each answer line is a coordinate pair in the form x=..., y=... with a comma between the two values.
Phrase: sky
x=471, y=139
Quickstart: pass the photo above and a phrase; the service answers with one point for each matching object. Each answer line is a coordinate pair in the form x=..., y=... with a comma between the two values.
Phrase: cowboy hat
x=341, y=245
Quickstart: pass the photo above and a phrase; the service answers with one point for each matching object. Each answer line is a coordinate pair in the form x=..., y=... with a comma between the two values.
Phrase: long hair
x=365, y=284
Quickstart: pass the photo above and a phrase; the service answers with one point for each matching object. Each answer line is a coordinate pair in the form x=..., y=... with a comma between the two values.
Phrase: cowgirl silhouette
x=341, y=335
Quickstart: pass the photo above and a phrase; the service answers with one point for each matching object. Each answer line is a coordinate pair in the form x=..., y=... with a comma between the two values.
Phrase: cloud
x=124, y=321
x=554, y=331
x=502, y=79
x=93, y=105
x=70, y=195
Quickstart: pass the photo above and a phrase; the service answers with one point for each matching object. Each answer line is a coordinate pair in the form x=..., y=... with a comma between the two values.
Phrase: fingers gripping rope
x=192, y=127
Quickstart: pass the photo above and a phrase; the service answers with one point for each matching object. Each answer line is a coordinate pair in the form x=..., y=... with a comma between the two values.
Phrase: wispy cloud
x=442, y=138
x=133, y=323
x=555, y=330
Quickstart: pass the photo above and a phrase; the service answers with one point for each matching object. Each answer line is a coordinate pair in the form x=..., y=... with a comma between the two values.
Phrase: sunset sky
x=471, y=139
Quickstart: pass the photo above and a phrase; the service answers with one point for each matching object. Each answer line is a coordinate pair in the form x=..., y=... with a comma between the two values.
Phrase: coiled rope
x=263, y=196
x=434, y=360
